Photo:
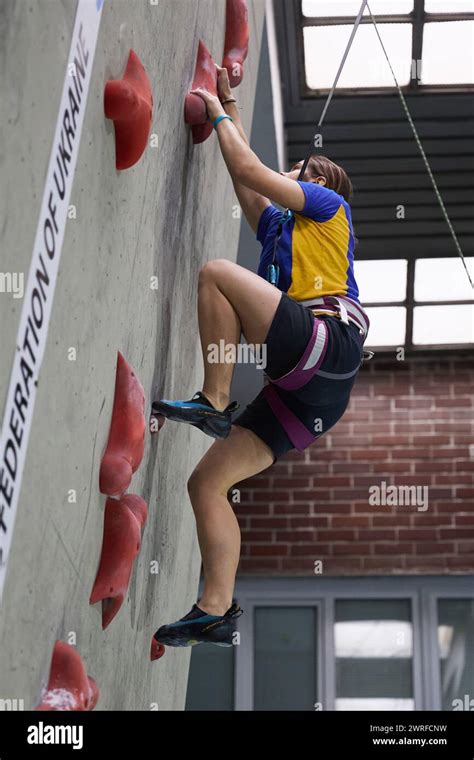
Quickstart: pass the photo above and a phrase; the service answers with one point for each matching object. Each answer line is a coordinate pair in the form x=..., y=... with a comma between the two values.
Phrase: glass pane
x=324, y=47
x=351, y=7
x=211, y=678
x=387, y=326
x=285, y=658
x=374, y=653
x=381, y=280
x=433, y=325
x=448, y=53
x=443, y=279
x=449, y=6
x=456, y=653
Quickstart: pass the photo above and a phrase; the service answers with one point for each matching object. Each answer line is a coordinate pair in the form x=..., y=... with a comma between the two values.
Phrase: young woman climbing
x=313, y=327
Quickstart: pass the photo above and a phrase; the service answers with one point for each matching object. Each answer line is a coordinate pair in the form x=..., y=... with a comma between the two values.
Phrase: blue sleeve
x=321, y=203
x=269, y=214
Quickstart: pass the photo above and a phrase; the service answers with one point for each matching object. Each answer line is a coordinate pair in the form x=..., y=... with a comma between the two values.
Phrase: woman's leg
x=228, y=461
x=231, y=301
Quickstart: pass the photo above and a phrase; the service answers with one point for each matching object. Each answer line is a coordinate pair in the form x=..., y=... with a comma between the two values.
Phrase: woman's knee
x=214, y=270
x=201, y=482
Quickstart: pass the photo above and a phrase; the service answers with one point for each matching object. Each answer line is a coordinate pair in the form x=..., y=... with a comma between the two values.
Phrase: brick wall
x=408, y=423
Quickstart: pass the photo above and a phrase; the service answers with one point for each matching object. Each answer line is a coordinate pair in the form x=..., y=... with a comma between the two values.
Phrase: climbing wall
x=134, y=243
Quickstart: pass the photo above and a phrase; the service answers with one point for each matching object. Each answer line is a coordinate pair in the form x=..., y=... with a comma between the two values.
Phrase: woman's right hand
x=223, y=85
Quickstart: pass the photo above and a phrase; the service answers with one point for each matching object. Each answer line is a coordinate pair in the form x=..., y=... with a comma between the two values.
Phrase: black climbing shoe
x=198, y=411
x=197, y=627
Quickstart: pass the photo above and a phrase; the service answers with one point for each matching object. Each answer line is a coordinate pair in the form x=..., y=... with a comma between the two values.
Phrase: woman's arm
x=252, y=204
x=244, y=165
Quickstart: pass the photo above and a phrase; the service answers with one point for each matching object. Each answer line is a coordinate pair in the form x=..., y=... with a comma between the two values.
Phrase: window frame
x=417, y=18
x=410, y=303
x=423, y=591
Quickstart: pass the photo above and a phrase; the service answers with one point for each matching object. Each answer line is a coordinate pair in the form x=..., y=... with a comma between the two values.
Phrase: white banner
x=41, y=284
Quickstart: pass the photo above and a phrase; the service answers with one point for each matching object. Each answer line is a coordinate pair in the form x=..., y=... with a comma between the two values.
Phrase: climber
x=314, y=330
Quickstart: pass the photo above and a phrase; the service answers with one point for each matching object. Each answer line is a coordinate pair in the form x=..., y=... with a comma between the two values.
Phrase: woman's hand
x=213, y=104
x=223, y=84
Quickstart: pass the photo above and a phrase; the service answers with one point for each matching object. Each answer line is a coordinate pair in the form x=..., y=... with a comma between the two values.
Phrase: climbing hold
x=156, y=422
x=126, y=442
x=123, y=522
x=195, y=112
x=201, y=132
x=157, y=650
x=129, y=103
x=236, y=45
x=69, y=687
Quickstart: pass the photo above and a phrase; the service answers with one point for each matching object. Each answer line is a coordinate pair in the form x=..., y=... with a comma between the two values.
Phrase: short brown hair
x=336, y=177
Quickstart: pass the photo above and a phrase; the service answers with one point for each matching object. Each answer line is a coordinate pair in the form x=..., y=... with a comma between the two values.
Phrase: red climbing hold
x=129, y=103
x=195, y=112
x=123, y=522
x=236, y=45
x=201, y=132
x=69, y=687
x=127, y=432
x=157, y=650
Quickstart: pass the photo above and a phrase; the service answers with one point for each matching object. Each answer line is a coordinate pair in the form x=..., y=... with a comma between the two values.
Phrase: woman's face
x=295, y=172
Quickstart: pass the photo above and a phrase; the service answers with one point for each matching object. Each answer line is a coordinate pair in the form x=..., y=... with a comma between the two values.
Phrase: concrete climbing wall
x=163, y=218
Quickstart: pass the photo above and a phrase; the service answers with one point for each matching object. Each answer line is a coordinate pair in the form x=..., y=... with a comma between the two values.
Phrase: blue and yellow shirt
x=316, y=248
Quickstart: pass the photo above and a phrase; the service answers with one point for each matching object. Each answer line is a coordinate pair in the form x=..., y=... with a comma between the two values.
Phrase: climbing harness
x=309, y=365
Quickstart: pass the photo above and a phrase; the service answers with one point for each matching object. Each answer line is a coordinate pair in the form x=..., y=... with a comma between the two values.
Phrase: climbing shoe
x=198, y=411
x=197, y=627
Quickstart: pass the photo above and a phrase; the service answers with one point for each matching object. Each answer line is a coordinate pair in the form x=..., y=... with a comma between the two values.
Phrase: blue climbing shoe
x=197, y=627
x=198, y=411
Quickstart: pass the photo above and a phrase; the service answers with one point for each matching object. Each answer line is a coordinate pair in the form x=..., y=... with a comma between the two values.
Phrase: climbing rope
x=331, y=93
x=423, y=154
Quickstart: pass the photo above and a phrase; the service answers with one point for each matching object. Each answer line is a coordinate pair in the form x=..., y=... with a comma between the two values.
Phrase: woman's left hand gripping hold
x=213, y=104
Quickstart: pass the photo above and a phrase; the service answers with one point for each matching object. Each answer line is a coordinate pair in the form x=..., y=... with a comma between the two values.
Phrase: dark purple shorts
x=322, y=399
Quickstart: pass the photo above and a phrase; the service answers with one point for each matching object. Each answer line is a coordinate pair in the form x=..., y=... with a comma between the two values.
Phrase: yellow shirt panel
x=319, y=257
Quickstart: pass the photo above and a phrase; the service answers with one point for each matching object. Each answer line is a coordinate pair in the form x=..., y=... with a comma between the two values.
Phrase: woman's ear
x=321, y=180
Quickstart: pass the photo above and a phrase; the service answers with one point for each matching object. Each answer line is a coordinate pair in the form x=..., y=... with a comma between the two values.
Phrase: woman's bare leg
x=228, y=461
x=231, y=301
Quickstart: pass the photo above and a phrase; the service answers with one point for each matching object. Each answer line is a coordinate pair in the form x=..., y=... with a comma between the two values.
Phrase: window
x=374, y=655
x=211, y=678
x=343, y=643
x=285, y=658
x=430, y=46
x=427, y=304
x=456, y=652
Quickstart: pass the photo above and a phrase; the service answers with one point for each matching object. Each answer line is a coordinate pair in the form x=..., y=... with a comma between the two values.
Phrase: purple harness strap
x=309, y=363
x=298, y=434
x=306, y=368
